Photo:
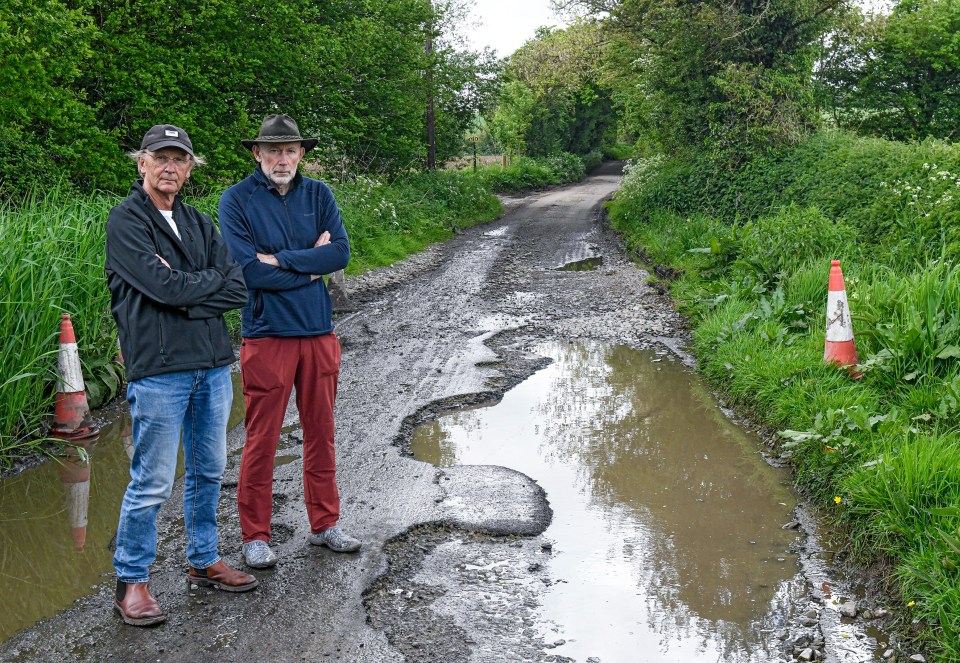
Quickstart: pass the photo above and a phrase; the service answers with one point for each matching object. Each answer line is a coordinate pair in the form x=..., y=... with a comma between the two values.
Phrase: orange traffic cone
x=838, y=347
x=71, y=419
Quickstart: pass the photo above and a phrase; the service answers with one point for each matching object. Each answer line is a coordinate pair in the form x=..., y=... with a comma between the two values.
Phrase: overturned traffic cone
x=71, y=418
x=838, y=347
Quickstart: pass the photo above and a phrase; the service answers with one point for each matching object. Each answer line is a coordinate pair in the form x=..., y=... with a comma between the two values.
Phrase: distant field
x=467, y=162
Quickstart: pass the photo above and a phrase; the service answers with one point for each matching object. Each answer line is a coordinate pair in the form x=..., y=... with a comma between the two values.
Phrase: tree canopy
x=554, y=97
x=730, y=78
x=83, y=79
x=896, y=75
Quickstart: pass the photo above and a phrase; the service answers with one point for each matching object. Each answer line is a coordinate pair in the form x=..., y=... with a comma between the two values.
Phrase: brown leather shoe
x=222, y=577
x=136, y=606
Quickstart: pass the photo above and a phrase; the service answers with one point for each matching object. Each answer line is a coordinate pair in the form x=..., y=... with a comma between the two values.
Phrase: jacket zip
x=286, y=217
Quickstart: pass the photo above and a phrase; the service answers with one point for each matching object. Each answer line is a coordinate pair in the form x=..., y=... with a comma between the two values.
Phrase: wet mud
x=458, y=563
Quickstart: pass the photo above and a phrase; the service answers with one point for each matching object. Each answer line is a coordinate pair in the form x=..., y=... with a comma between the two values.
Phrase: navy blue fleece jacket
x=255, y=218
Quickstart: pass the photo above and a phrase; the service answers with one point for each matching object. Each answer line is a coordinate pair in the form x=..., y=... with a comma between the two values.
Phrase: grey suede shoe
x=334, y=539
x=257, y=555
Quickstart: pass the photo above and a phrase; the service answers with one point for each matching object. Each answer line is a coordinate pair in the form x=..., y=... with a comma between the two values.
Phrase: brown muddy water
x=667, y=538
x=58, y=520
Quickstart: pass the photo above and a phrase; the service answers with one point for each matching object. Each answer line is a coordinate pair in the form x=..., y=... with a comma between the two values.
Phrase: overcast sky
x=507, y=24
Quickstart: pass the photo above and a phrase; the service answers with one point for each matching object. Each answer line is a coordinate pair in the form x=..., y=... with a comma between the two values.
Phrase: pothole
x=667, y=533
x=584, y=265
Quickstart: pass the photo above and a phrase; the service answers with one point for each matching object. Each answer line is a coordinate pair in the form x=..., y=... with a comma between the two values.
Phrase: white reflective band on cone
x=71, y=377
x=839, y=327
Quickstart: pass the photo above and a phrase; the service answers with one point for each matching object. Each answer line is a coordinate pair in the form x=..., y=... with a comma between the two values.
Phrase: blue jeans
x=198, y=401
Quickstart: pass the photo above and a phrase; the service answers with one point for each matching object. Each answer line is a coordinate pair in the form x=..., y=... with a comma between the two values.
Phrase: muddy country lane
x=458, y=563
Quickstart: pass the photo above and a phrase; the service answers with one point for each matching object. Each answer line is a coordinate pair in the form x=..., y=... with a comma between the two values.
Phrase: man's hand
x=167, y=265
x=269, y=259
x=323, y=240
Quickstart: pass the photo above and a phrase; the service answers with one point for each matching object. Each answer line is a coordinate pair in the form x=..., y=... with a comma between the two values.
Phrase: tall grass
x=52, y=263
x=880, y=454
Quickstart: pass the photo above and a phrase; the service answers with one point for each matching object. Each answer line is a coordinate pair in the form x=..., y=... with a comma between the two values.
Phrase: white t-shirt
x=168, y=215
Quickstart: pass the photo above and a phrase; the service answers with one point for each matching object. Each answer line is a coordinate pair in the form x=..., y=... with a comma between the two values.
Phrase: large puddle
x=58, y=521
x=667, y=531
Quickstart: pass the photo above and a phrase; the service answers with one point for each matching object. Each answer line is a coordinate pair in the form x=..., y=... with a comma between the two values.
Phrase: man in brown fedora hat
x=285, y=231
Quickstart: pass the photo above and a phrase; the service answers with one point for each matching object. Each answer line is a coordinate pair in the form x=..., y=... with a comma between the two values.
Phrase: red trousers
x=270, y=367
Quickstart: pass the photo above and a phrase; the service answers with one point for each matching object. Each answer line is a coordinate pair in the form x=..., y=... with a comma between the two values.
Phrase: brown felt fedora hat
x=280, y=129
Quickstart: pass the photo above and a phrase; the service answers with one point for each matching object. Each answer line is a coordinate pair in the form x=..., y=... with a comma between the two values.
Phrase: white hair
x=136, y=155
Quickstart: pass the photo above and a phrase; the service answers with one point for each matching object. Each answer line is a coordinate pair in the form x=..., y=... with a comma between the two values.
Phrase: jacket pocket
x=257, y=304
x=164, y=360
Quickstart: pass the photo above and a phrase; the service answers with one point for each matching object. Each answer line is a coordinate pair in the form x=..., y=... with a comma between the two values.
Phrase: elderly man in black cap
x=285, y=231
x=171, y=279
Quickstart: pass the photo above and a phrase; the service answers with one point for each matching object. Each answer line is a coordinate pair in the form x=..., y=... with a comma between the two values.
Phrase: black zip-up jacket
x=169, y=319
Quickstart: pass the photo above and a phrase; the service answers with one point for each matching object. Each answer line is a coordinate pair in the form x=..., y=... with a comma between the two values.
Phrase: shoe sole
x=216, y=584
x=139, y=621
x=263, y=565
x=340, y=550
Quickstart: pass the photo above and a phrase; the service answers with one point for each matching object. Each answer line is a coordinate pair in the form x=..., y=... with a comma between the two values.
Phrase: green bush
x=388, y=221
x=777, y=244
x=619, y=151
x=531, y=172
x=909, y=323
x=565, y=167
x=591, y=160
x=900, y=199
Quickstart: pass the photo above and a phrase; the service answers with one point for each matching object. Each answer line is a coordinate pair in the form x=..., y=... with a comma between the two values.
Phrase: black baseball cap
x=166, y=135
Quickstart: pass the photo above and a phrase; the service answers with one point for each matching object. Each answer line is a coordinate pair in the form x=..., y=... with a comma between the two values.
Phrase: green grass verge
x=879, y=454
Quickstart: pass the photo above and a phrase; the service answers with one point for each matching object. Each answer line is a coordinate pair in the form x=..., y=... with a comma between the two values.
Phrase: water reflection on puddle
x=585, y=265
x=57, y=522
x=667, y=531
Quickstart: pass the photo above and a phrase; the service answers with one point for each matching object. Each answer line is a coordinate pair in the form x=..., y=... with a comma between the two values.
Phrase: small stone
x=848, y=609
x=802, y=642
x=888, y=654
x=806, y=655
x=917, y=658
x=793, y=524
